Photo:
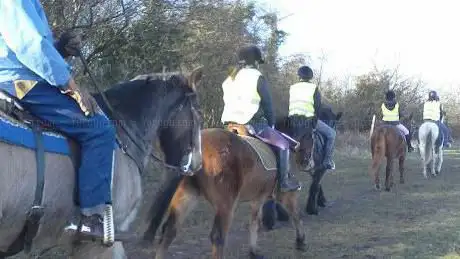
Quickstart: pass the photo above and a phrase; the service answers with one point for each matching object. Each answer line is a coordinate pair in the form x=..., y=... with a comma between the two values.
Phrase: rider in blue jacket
x=33, y=70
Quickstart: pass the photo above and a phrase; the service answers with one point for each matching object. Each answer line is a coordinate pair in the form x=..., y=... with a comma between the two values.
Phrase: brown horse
x=388, y=142
x=235, y=169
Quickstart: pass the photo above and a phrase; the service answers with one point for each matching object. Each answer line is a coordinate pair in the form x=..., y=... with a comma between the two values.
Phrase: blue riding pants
x=445, y=132
x=96, y=136
x=330, y=135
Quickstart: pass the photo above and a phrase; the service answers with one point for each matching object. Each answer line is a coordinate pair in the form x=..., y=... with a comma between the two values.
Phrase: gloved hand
x=69, y=44
x=84, y=99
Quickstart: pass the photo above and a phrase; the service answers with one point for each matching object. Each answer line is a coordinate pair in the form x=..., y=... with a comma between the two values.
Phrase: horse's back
x=228, y=155
x=387, y=140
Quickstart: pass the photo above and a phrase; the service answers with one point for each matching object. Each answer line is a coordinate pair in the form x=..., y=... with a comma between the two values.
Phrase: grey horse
x=153, y=109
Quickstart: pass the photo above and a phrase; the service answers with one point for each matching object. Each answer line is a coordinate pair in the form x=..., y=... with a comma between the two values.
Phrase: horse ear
x=339, y=115
x=195, y=77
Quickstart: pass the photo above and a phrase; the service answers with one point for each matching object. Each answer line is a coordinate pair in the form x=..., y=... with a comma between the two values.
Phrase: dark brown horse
x=235, y=169
x=309, y=156
x=387, y=141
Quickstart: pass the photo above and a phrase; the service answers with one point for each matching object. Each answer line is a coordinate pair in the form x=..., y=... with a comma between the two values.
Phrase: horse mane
x=142, y=99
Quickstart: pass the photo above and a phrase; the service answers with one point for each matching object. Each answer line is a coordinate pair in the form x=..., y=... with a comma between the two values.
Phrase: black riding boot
x=408, y=142
x=286, y=182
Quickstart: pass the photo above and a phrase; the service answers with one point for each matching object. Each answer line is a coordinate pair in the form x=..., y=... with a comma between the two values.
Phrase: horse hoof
x=300, y=244
x=254, y=255
x=377, y=187
x=311, y=211
x=387, y=189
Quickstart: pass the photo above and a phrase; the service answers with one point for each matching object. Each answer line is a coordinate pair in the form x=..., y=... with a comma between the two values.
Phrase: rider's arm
x=266, y=100
x=29, y=37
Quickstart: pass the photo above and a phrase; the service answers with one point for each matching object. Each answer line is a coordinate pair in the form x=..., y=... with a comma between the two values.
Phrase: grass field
x=416, y=220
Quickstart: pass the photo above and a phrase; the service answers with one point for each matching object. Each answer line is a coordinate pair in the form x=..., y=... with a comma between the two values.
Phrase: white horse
x=430, y=151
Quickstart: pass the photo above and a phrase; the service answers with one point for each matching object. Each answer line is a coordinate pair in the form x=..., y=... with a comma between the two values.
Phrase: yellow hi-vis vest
x=432, y=110
x=241, y=99
x=301, y=100
x=392, y=115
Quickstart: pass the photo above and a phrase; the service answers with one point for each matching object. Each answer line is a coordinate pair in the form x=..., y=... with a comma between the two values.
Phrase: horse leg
x=222, y=223
x=389, y=175
x=401, y=169
x=422, y=149
x=375, y=169
x=440, y=161
x=254, y=228
x=312, y=204
x=321, y=198
x=290, y=201
x=184, y=200
x=433, y=161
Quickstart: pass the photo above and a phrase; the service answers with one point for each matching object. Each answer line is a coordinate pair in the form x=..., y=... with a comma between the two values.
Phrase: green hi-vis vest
x=241, y=99
x=301, y=100
x=392, y=115
x=432, y=110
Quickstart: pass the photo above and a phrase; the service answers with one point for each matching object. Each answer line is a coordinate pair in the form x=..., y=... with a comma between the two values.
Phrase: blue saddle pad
x=17, y=133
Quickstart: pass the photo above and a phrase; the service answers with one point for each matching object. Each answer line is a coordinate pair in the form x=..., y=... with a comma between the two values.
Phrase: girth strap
x=34, y=215
x=36, y=212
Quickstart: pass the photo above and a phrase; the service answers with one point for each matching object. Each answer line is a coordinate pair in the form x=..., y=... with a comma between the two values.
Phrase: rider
x=248, y=102
x=391, y=114
x=305, y=104
x=433, y=110
x=33, y=70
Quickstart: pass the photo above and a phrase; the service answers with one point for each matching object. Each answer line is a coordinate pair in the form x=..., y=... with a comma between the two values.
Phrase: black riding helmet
x=390, y=95
x=305, y=73
x=433, y=96
x=250, y=55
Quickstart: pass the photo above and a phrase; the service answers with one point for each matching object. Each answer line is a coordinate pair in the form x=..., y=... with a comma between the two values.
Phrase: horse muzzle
x=191, y=163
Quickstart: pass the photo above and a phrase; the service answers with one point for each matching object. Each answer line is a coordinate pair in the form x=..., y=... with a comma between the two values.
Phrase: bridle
x=188, y=99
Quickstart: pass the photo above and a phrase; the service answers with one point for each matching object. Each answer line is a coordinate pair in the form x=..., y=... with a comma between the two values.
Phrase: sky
x=421, y=37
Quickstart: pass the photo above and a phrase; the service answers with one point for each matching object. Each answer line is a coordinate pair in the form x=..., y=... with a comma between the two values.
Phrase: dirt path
x=416, y=220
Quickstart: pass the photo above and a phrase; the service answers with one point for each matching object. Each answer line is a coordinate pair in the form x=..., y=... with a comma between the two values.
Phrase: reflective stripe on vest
x=392, y=115
x=432, y=110
x=241, y=99
x=301, y=100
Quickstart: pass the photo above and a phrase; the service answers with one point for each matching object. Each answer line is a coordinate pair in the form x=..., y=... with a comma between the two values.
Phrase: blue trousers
x=445, y=132
x=96, y=136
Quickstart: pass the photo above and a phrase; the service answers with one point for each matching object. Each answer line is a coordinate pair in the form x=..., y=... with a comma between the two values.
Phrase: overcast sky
x=421, y=36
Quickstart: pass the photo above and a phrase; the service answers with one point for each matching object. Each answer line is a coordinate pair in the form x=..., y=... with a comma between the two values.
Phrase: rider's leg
x=286, y=181
x=407, y=135
x=446, y=134
x=96, y=136
x=330, y=134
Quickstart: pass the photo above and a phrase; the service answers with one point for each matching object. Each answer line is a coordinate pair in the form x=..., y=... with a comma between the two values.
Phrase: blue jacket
x=27, y=49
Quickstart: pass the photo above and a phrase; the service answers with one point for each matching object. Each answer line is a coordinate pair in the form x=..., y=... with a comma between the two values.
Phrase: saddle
x=262, y=144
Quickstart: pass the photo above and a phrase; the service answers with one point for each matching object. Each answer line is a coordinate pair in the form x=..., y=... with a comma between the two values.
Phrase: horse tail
x=378, y=143
x=161, y=205
x=428, y=147
x=425, y=143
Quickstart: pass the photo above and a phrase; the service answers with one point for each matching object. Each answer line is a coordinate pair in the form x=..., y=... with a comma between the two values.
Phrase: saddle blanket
x=264, y=152
x=17, y=133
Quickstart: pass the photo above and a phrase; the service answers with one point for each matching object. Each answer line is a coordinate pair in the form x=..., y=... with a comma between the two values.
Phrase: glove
x=84, y=99
x=69, y=44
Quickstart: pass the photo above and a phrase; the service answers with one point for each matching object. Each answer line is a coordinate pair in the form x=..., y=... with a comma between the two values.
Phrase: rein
x=128, y=132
